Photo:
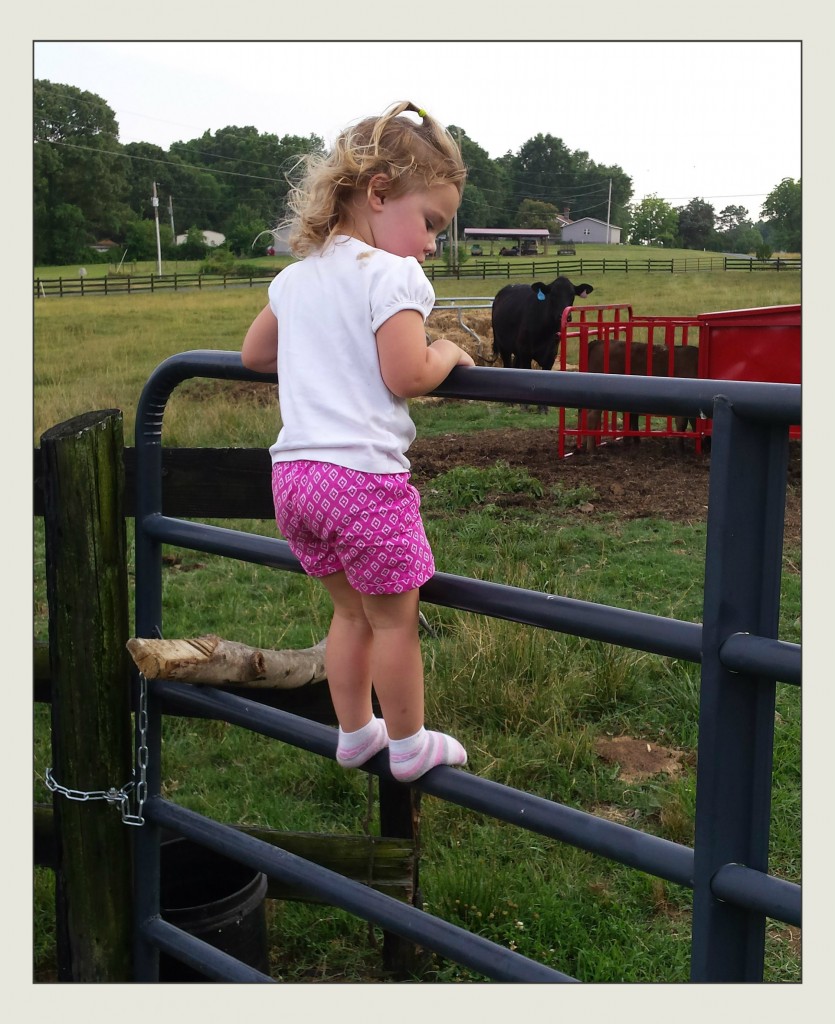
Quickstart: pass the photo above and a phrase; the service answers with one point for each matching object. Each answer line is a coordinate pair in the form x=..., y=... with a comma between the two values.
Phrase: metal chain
x=141, y=787
x=113, y=795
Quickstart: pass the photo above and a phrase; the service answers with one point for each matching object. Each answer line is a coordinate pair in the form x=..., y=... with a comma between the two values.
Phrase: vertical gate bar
x=736, y=715
x=148, y=624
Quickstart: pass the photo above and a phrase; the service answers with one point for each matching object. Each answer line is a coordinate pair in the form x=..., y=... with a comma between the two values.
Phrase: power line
x=152, y=159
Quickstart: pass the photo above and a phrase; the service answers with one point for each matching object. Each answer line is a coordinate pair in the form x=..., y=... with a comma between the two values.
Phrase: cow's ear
x=538, y=286
x=583, y=290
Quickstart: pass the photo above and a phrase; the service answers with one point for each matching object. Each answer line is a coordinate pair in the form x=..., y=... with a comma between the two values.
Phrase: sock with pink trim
x=415, y=755
x=355, y=748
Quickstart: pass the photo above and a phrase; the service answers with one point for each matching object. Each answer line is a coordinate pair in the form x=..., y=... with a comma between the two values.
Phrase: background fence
x=477, y=269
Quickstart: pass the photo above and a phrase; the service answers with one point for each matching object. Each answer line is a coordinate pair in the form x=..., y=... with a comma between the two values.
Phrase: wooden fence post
x=87, y=593
x=400, y=818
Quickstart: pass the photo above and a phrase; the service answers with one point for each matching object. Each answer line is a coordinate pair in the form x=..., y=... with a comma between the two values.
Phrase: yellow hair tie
x=421, y=113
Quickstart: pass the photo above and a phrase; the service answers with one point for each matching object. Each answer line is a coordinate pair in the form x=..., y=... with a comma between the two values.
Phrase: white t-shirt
x=334, y=404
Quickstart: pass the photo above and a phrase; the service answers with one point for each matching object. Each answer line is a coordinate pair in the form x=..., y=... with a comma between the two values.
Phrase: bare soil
x=651, y=479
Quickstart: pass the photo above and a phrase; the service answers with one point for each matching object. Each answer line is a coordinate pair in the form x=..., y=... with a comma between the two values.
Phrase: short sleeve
x=400, y=284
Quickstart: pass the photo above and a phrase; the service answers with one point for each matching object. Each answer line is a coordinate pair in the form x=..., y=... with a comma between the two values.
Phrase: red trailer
x=741, y=344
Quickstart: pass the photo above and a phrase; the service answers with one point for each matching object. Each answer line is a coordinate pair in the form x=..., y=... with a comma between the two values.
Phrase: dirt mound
x=638, y=759
x=458, y=327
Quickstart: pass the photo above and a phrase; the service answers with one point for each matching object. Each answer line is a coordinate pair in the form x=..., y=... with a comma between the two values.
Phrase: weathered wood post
x=87, y=593
x=400, y=818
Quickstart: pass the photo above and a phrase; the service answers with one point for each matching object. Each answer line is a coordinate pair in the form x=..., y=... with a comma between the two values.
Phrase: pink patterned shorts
x=365, y=524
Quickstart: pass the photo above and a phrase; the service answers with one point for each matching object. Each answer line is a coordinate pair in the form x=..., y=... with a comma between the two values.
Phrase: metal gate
x=741, y=659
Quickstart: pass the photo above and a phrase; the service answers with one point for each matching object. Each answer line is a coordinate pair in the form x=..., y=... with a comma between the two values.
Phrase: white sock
x=355, y=748
x=413, y=756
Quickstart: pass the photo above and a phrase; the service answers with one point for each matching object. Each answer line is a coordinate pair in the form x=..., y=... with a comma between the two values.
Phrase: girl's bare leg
x=376, y=637
x=396, y=660
x=348, y=654
x=397, y=670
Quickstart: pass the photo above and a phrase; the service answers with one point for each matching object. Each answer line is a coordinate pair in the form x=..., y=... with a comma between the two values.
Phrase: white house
x=212, y=238
x=589, y=229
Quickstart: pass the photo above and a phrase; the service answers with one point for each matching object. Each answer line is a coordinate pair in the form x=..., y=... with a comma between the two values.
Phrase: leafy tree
x=745, y=239
x=541, y=170
x=141, y=239
x=653, y=221
x=239, y=167
x=69, y=241
x=219, y=261
x=782, y=207
x=695, y=224
x=731, y=218
x=486, y=199
x=736, y=232
x=144, y=165
x=179, y=187
x=535, y=214
x=242, y=228
x=476, y=209
x=542, y=167
x=590, y=197
x=77, y=162
x=194, y=247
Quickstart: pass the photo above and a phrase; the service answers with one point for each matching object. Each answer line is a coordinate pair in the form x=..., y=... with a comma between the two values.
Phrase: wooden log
x=92, y=749
x=212, y=661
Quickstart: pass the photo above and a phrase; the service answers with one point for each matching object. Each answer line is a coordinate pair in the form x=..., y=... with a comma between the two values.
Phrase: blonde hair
x=412, y=156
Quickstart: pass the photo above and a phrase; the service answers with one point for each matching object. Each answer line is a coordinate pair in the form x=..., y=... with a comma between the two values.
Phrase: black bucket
x=215, y=899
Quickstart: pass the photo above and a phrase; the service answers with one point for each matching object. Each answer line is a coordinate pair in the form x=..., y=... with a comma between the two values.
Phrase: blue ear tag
x=540, y=295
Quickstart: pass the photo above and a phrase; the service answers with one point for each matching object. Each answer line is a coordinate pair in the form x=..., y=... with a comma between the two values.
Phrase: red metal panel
x=751, y=344
x=617, y=323
x=761, y=344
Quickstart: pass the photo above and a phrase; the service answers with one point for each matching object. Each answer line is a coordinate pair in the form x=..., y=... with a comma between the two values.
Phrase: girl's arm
x=260, y=348
x=409, y=366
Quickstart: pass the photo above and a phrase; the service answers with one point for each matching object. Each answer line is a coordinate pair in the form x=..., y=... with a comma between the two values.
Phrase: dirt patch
x=788, y=935
x=638, y=759
x=654, y=478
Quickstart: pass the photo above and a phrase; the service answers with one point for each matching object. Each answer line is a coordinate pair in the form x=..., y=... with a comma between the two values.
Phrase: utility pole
x=155, y=204
x=455, y=223
x=171, y=218
x=609, y=214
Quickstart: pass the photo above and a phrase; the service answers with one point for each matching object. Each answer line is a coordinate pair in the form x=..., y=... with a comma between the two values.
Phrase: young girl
x=344, y=329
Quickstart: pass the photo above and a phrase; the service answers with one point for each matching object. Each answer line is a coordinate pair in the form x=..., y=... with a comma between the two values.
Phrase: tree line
x=88, y=186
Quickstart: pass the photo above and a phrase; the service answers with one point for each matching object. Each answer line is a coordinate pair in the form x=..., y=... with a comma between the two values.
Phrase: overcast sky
x=683, y=119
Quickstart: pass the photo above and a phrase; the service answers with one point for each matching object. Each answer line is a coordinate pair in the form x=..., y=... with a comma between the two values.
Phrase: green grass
x=528, y=704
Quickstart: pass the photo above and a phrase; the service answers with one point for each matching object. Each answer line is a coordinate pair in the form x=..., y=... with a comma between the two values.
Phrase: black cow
x=526, y=321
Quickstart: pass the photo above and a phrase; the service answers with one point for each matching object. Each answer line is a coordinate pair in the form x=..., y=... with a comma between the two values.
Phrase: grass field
x=530, y=706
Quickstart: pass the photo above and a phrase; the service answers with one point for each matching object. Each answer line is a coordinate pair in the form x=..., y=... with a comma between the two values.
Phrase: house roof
x=593, y=220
